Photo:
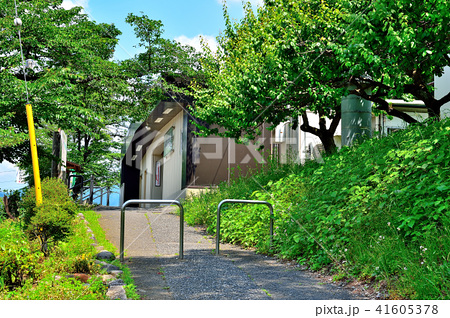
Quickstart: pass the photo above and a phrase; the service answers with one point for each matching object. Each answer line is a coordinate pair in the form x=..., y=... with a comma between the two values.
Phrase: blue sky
x=8, y=174
x=184, y=20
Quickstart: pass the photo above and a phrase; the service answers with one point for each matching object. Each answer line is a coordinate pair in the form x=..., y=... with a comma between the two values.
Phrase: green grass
x=92, y=217
x=25, y=273
x=377, y=212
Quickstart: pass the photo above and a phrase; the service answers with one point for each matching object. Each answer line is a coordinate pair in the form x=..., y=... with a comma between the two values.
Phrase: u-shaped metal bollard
x=245, y=202
x=122, y=222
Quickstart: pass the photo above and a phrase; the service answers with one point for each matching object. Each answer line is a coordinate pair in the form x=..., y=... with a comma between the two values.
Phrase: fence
x=87, y=191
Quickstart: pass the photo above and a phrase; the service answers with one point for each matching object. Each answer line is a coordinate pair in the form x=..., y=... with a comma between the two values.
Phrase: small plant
x=82, y=264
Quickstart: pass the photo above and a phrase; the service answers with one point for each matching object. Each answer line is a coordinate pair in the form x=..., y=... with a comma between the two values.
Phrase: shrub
x=18, y=256
x=26, y=274
x=50, y=221
x=62, y=289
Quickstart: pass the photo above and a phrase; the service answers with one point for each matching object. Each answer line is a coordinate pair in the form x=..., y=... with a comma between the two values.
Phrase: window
x=168, y=141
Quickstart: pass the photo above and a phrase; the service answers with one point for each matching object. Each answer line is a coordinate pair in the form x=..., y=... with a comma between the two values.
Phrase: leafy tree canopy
x=292, y=56
x=72, y=83
x=396, y=48
x=8, y=136
x=272, y=66
x=154, y=71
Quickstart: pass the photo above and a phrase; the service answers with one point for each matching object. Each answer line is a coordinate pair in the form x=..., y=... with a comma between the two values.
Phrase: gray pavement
x=151, y=253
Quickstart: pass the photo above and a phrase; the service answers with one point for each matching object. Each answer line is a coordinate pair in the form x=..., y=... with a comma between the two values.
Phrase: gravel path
x=151, y=253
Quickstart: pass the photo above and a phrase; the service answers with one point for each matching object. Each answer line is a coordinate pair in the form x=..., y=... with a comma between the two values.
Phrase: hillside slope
x=378, y=212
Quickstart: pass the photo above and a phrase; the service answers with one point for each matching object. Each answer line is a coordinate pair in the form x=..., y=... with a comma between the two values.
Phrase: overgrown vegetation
x=28, y=271
x=378, y=212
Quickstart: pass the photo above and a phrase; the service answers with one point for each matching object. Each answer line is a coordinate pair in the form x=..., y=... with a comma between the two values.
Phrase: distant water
x=114, y=199
x=2, y=194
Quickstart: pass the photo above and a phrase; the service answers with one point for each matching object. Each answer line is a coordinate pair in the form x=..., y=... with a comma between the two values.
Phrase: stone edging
x=116, y=290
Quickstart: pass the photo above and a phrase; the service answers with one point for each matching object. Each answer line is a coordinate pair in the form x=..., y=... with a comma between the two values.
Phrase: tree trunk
x=325, y=135
x=328, y=142
x=434, y=109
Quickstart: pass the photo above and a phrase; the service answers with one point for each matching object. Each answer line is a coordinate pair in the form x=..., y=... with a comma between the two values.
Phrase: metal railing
x=78, y=188
x=244, y=202
x=81, y=187
x=122, y=222
x=103, y=191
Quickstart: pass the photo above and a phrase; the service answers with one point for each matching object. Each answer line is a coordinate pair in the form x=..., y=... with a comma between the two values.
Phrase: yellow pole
x=34, y=156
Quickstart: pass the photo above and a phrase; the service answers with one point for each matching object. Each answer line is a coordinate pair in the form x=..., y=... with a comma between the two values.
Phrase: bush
x=61, y=289
x=26, y=274
x=18, y=257
x=50, y=221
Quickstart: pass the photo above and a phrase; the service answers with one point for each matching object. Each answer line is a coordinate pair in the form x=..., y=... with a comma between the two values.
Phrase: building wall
x=442, y=88
x=171, y=165
x=209, y=161
x=299, y=146
x=218, y=159
x=385, y=125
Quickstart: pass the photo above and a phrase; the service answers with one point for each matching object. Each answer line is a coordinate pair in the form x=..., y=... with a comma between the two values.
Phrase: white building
x=299, y=146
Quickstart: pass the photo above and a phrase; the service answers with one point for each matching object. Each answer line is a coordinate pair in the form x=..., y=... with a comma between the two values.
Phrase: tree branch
x=306, y=127
x=443, y=100
x=336, y=119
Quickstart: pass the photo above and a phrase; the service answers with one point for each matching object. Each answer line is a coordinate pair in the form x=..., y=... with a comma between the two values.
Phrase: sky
x=8, y=174
x=184, y=21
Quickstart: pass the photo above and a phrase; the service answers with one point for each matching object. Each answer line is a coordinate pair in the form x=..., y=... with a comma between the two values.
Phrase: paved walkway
x=151, y=253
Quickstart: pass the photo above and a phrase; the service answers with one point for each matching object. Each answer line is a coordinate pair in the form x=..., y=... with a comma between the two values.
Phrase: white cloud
x=196, y=41
x=253, y=2
x=69, y=4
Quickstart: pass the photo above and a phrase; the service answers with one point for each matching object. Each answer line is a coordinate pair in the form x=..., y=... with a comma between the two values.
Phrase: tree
x=395, y=48
x=274, y=66
x=72, y=85
x=295, y=56
x=163, y=60
x=94, y=141
x=8, y=136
